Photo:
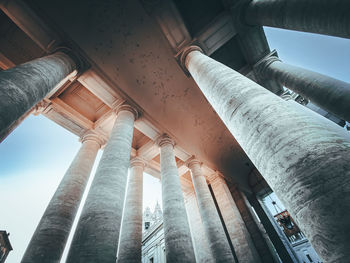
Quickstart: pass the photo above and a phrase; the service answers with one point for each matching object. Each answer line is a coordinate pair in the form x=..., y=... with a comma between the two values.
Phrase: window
x=151, y=260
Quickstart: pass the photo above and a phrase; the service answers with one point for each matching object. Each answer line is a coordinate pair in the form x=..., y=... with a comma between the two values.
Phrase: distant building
x=153, y=245
x=5, y=245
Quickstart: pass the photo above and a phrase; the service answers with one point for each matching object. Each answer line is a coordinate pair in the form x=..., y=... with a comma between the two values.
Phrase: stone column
x=330, y=94
x=131, y=233
x=304, y=157
x=97, y=233
x=276, y=235
x=25, y=85
x=240, y=238
x=213, y=228
x=322, y=16
x=50, y=236
x=177, y=235
x=199, y=239
x=261, y=245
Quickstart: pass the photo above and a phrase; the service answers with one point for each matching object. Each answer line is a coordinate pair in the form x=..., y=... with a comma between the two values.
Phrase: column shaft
x=97, y=233
x=322, y=16
x=50, y=236
x=213, y=228
x=256, y=235
x=25, y=85
x=304, y=157
x=199, y=239
x=240, y=238
x=328, y=93
x=177, y=235
x=131, y=233
x=277, y=237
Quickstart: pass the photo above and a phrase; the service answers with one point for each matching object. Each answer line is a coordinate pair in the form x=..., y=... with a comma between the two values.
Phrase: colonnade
x=304, y=157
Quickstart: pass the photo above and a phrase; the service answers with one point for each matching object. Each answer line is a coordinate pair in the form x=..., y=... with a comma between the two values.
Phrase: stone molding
x=138, y=161
x=261, y=66
x=164, y=139
x=91, y=135
x=185, y=51
x=193, y=161
x=79, y=61
x=215, y=176
x=40, y=107
x=127, y=107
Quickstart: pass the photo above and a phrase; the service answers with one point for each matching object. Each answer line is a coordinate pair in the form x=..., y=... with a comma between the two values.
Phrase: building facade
x=189, y=92
x=153, y=244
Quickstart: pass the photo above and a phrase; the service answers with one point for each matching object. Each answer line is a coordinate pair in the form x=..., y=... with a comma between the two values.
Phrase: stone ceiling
x=132, y=48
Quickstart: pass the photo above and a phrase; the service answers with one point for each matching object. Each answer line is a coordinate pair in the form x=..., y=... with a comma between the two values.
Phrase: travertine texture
x=328, y=93
x=213, y=228
x=276, y=235
x=266, y=239
x=199, y=239
x=25, y=85
x=131, y=233
x=97, y=233
x=240, y=238
x=248, y=218
x=177, y=235
x=304, y=157
x=321, y=16
x=49, y=239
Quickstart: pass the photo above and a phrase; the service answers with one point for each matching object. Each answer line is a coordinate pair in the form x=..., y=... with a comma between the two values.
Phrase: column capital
x=127, y=107
x=266, y=61
x=138, y=161
x=164, y=139
x=91, y=135
x=214, y=176
x=193, y=161
x=185, y=51
x=80, y=62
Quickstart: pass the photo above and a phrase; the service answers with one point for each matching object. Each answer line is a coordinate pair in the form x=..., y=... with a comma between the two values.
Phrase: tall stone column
x=199, y=239
x=322, y=16
x=260, y=243
x=304, y=157
x=131, y=233
x=213, y=228
x=50, y=237
x=97, y=233
x=177, y=234
x=23, y=86
x=330, y=94
x=240, y=237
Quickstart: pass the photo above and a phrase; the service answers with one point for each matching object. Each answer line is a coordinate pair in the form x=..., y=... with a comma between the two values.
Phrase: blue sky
x=36, y=155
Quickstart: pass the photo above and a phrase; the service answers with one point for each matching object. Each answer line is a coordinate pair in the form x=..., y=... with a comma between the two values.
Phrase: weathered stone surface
x=199, y=239
x=276, y=235
x=25, y=85
x=240, y=238
x=304, y=157
x=322, y=16
x=213, y=228
x=328, y=93
x=257, y=237
x=177, y=234
x=97, y=233
x=49, y=239
x=131, y=233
